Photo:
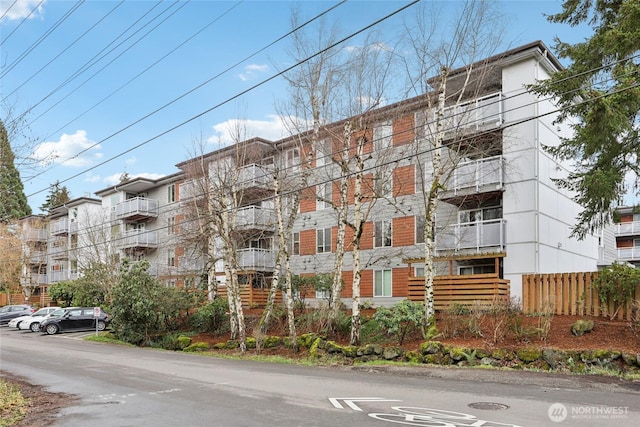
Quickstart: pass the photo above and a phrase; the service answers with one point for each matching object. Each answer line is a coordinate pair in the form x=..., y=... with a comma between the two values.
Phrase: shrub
x=212, y=317
x=401, y=319
x=616, y=284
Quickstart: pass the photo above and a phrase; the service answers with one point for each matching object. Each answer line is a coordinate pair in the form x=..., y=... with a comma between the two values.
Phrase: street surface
x=127, y=386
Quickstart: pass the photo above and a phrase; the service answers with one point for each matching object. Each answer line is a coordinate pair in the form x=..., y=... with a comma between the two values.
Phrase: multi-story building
x=626, y=230
x=498, y=211
x=142, y=220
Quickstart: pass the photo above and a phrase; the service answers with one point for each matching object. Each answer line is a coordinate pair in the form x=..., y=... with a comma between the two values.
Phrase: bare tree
x=444, y=67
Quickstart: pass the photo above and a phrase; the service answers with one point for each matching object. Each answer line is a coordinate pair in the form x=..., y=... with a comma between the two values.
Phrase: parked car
x=9, y=312
x=75, y=319
x=30, y=322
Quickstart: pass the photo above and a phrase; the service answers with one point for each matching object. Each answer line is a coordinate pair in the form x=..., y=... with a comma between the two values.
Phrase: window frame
x=383, y=235
x=383, y=289
x=323, y=240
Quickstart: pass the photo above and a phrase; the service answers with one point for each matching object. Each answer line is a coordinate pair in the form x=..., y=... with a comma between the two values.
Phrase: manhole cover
x=488, y=406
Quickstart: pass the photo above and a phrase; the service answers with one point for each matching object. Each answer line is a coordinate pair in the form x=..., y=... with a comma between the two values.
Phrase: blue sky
x=92, y=82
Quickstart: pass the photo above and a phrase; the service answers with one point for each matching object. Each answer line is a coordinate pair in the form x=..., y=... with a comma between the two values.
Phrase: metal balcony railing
x=478, y=114
x=137, y=208
x=138, y=239
x=254, y=176
x=255, y=217
x=476, y=174
x=627, y=228
x=628, y=254
x=472, y=235
x=256, y=259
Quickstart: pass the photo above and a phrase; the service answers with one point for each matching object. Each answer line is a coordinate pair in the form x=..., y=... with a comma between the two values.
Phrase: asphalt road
x=127, y=386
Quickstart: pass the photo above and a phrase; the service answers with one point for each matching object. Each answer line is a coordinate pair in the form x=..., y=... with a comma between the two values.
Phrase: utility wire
x=42, y=38
x=4, y=39
x=64, y=50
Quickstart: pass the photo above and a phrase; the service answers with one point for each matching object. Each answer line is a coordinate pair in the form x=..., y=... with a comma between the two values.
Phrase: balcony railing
x=627, y=228
x=475, y=115
x=58, y=252
x=138, y=239
x=477, y=174
x=629, y=254
x=254, y=176
x=256, y=259
x=189, y=264
x=59, y=226
x=33, y=280
x=255, y=217
x=472, y=235
x=137, y=208
x=35, y=235
x=59, y=276
x=38, y=257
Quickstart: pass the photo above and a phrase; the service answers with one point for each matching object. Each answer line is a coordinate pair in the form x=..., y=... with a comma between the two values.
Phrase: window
x=382, y=137
x=636, y=243
x=480, y=214
x=171, y=283
x=382, y=234
x=324, y=196
x=171, y=225
x=294, y=245
x=384, y=183
x=171, y=257
x=382, y=283
x=418, y=272
x=171, y=193
x=419, y=229
x=323, y=153
x=323, y=294
x=293, y=159
x=323, y=240
x=476, y=269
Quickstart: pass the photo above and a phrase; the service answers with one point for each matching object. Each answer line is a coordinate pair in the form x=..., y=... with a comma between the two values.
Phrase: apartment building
x=498, y=212
x=626, y=231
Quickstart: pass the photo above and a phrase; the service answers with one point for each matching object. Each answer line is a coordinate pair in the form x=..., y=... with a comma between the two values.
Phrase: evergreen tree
x=13, y=203
x=600, y=89
x=57, y=196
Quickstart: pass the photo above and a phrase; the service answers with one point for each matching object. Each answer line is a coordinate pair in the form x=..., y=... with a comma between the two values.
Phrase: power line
x=42, y=38
x=4, y=39
x=64, y=50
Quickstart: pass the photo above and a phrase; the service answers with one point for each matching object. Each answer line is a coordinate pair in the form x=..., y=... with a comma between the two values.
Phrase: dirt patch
x=43, y=405
x=606, y=335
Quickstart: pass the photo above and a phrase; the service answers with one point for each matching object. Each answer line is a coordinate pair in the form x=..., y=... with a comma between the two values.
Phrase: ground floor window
x=382, y=283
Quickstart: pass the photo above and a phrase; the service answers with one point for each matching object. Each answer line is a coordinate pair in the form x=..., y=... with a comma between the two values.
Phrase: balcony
x=59, y=276
x=35, y=235
x=476, y=176
x=136, y=209
x=138, y=239
x=627, y=228
x=472, y=236
x=480, y=114
x=254, y=177
x=255, y=218
x=37, y=257
x=33, y=279
x=628, y=254
x=59, y=252
x=62, y=226
x=190, y=264
x=193, y=189
x=256, y=259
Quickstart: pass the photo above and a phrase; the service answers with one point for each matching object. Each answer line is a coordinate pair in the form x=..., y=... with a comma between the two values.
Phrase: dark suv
x=75, y=319
x=9, y=312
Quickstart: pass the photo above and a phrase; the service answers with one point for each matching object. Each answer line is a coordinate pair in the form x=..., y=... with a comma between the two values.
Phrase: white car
x=29, y=322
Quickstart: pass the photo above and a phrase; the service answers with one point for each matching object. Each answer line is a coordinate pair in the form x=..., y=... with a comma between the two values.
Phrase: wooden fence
x=251, y=297
x=466, y=290
x=42, y=300
x=569, y=294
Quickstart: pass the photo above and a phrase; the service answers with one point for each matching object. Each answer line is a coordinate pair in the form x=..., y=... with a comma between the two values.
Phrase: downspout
x=536, y=174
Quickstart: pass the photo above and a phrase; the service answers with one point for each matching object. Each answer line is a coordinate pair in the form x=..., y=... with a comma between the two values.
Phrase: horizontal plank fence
x=42, y=300
x=569, y=294
x=465, y=290
x=251, y=297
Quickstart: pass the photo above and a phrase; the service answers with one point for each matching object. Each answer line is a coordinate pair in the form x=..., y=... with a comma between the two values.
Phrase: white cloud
x=251, y=70
x=130, y=161
x=89, y=177
x=71, y=150
x=21, y=9
x=115, y=178
x=272, y=129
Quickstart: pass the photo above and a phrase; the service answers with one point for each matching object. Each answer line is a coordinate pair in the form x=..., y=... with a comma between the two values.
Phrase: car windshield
x=4, y=309
x=41, y=312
